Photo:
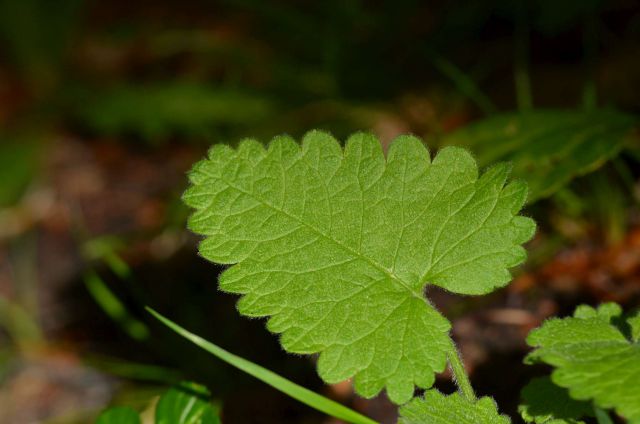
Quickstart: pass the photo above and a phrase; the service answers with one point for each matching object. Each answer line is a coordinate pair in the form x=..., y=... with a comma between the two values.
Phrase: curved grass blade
x=114, y=307
x=289, y=388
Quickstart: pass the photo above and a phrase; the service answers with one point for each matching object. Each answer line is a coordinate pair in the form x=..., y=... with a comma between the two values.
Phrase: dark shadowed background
x=104, y=106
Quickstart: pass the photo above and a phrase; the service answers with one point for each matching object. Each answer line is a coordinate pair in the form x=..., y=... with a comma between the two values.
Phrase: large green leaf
x=544, y=403
x=548, y=147
x=436, y=408
x=337, y=246
x=592, y=358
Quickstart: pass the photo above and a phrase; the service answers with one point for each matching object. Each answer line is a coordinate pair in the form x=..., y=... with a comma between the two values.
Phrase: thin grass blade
x=287, y=387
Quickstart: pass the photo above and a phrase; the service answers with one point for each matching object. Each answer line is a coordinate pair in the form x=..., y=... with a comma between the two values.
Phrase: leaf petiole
x=460, y=374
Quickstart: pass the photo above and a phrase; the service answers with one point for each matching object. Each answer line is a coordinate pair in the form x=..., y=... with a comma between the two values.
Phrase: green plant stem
x=460, y=374
x=291, y=389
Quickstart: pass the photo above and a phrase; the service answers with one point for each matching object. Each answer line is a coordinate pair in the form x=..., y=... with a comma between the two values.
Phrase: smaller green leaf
x=119, y=415
x=546, y=403
x=606, y=311
x=593, y=358
x=437, y=408
x=186, y=404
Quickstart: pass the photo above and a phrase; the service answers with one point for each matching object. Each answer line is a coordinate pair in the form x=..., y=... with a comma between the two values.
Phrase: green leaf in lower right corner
x=545, y=403
x=438, y=408
x=595, y=355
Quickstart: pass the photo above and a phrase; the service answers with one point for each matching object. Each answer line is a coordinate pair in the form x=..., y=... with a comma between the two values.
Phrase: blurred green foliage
x=119, y=415
x=548, y=148
x=158, y=74
x=186, y=403
x=37, y=34
x=166, y=110
x=19, y=163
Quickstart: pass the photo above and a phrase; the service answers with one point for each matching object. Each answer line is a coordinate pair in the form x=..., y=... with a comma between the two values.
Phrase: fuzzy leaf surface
x=544, y=403
x=437, y=408
x=336, y=247
x=593, y=357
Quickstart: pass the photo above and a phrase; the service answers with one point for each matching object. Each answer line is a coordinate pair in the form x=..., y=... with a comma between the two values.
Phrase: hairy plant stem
x=460, y=374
